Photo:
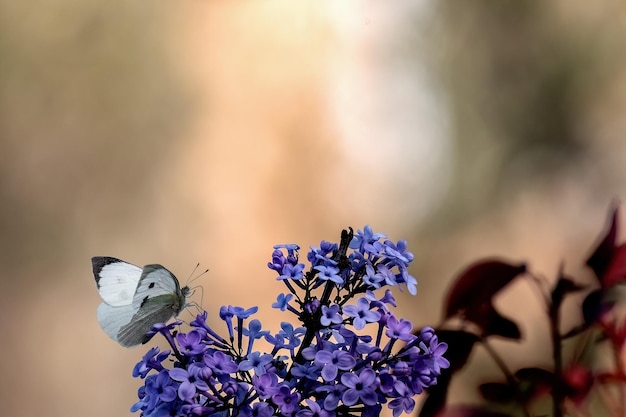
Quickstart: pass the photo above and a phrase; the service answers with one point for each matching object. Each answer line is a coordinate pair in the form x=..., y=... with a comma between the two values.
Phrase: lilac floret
x=361, y=313
x=330, y=315
x=361, y=387
x=329, y=273
x=332, y=362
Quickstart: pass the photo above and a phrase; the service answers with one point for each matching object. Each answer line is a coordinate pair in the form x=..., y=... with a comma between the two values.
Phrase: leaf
x=593, y=306
x=529, y=384
x=615, y=272
x=601, y=257
x=502, y=326
x=479, y=283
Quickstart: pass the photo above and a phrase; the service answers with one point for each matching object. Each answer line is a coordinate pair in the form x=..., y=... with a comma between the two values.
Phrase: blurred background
x=187, y=131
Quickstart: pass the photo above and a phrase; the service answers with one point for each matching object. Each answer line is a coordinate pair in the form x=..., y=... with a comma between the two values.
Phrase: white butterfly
x=135, y=298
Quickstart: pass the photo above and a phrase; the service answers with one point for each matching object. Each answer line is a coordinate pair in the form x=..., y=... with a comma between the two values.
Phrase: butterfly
x=135, y=298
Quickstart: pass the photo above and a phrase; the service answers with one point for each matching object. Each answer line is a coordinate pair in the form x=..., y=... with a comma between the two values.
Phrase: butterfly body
x=134, y=298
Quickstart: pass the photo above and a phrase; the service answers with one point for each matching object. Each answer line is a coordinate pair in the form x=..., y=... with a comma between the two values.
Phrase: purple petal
x=350, y=397
x=329, y=372
x=367, y=377
x=168, y=394
x=186, y=391
x=345, y=361
x=369, y=397
x=178, y=374
x=349, y=380
x=323, y=357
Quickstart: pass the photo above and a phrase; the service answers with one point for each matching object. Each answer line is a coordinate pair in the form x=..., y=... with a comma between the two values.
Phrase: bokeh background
x=207, y=131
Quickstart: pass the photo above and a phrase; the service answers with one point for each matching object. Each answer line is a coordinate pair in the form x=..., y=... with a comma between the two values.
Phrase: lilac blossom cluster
x=329, y=366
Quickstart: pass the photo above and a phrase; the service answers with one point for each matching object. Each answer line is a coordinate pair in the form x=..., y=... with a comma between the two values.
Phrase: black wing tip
x=99, y=262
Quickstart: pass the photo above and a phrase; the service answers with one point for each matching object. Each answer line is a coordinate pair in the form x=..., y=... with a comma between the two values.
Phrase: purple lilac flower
x=312, y=306
x=362, y=238
x=361, y=313
x=242, y=313
x=371, y=277
x=282, y=301
x=255, y=361
x=361, y=387
x=291, y=247
x=314, y=367
x=387, y=382
x=332, y=362
x=254, y=331
x=227, y=314
x=286, y=400
x=404, y=403
x=330, y=315
x=333, y=395
x=319, y=256
x=162, y=387
x=265, y=385
x=410, y=281
x=291, y=335
x=278, y=261
x=307, y=370
x=433, y=357
x=329, y=273
x=220, y=363
x=151, y=360
x=190, y=343
x=399, y=329
x=294, y=272
x=189, y=382
x=200, y=324
x=387, y=275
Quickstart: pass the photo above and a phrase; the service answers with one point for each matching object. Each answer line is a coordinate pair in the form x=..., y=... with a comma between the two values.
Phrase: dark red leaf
x=616, y=270
x=594, y=306
x=503, y=327
x=478, y=283
x=497, y=392
x=492, y=323
x=601, y=257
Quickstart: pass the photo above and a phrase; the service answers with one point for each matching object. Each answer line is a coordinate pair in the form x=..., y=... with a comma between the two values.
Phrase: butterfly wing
x=116, y=280
x=157, y=309
x=155, y=281
x=135, y=299
x=112, y=318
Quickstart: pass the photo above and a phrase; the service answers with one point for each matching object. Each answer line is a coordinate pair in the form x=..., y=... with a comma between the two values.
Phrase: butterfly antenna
x=190, y=279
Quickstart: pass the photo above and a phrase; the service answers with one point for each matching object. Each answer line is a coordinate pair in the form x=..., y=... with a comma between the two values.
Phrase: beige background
x=207, y=131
